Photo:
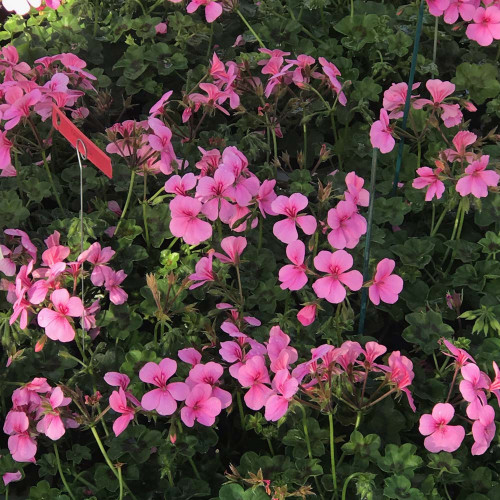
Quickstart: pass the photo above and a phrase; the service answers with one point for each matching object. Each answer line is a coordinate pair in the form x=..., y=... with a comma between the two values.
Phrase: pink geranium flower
x=189, y=355
x=284, y=386
x=336, y=265
x=472, y=388
x=52, y=424
x=200, y=405
x=266, y=196
x=112, y=282
x=465, y=8
x=401, y=374
x=210, y=374
x=386, y=286
x=21, y=108
x=285, y=230
x=307, y=314
x=180, y=185
x=185, y=223
x=233, y=246
x=440, y=435
x=163, y=399
x=5, y=146
x=428, y=178
x=212, y=9
x=477, y=179
x=254, y=374
x=293, y=276
x=22, y=446
x=161, y=28
x=347, y=225
x=203, y=271
x=355, y=192
x=483, y=431
x=121, y=380
x=9, y=477
x=98, y=257
x=118, y=402
x=213, y=192
x=462, y=357
x=486, y=26
x=461, y=141
x=395, y=98
x=381, y=133
x=55, y=321
x=21, y=7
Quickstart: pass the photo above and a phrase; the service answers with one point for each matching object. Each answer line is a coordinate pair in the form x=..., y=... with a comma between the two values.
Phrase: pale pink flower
x=440, y=435
x=118, y=402
x=428, y=178
x=284, y=387
x=214, y=98
x=185, y=223
x=462, y=357
x=98, y=257
x=203, y=271
x=372, y=351
x=21, y=7
x=461, y=140
x=180, y=185
x=20, y=108
x=189, y=355
x=52, y=423
x=395, y=99
x=386, y=286
x=293, y=276
x=28, y=394
x=437, y=7
x=212, y=9
x=163, y=399
x=5, y=146
x=233, y=246
x=280, y=353
x=55, y=321
x=161, y=141
x=213, y=192
x=210, y=374
x=285, y=230
x=232, y=352
x=336, y=265
x=347, y=225
x=161, y=28
x=200, y=405
x=355, y=192
x=241, y=213
x=9, y=477
x=254, y=374
x=266, y=196
x=472, y=388
x=22, y=446
x=331, y=72
x=486, y=26
x=477, y=179
x=121, y=380
x=465, y=8
x=381, y=133
x=307, y=314
x=112, y=282
x=401, y=374
x=159, y=107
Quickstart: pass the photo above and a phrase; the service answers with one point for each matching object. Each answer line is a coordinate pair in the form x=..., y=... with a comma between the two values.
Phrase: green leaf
x=400, y=459
x=480, y=80
x=399, y=488
x=426, y=328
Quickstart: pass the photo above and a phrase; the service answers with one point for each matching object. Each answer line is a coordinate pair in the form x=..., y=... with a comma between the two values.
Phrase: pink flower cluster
x=43, y=291
x=23, y=7
x=25, y=92
x=474, y=386
x=382, y=131
x=474, y=178
x=37, y=409
x=483, y=23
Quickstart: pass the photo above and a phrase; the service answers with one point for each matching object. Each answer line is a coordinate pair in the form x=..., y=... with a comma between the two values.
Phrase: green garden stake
x=366, y=256
x=80, y=156
x=408, y=94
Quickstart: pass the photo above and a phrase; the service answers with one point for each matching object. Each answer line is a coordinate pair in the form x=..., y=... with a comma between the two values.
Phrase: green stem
x=144, y=210
x=240, y=410
x=127, y=202
x=144, y=13
x=434, y=48
x=120, y=480
x=455, y=229
x=239, y=285
x=304, y=153
x=332, y=454
x=250, y=28
x=439, y=221
x=271, y=449
x=210, y=40
x=195, y=469
x=419, y=153
x=160, y=191
x=346, y=483
x=308, y=444
x=51, y=180
x=352, y=9
x=61, y=473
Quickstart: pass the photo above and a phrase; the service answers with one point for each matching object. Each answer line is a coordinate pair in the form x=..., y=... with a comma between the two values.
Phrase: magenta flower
x=98, y=257
x=483, y=431
x=231, y=352
x=213, y=192
x=118, y=402
x=55, y=321
x=372, y=351
x=347, y=225
x=9, y=477
x=163, y=399
x=381, y=133
x=331, y=72
x=180, y=185
x=307, y=314
x=112, y=282
x=210, y=374
x=200, y=405
x=212, y=9
x=293, y=276
x=336, y=264
x=121, y=380
x=461, y=356
x=461, y=141
x=266, y=196
x=189, y=355
x=440, y=435
x=355, y=192
x=21, y=108
x=203, y=271
x=161, y=28
x=386, y=286
x=477, y=179
x=472, y=389
x=284, y=386
x=280, y=353
x=428, y=178
x=214, y=98
x=52, y=424
x=254, y=374
x=401, y=374
x=285, y=230
x=233, y=246
x=159, y=107
x=185, y=223
x=465, y=8
x=486, y=25
x=5, y=146
x=161, y=141
x=395, y=98
x=22, y=446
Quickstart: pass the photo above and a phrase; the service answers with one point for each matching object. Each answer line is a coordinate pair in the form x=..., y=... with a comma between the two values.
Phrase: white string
x=81, y=156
